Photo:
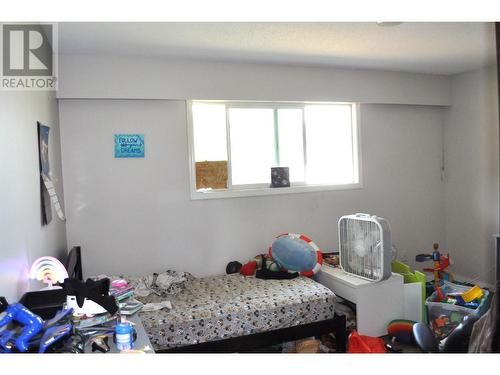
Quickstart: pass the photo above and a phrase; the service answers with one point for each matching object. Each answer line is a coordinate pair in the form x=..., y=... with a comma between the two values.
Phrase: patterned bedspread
x=220, y=307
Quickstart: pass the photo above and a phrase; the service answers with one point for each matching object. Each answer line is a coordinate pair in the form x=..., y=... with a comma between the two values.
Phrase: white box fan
x=365, y=246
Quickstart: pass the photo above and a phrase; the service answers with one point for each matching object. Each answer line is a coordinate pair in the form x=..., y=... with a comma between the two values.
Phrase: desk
x=141, y=343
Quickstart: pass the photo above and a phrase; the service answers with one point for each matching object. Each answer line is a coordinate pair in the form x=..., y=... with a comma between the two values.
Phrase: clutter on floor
x=447, y=309
x=451, y=308
x=307, y=346
x=348, y=309
x=365, y=344
x=401, y=330
x=325, y=344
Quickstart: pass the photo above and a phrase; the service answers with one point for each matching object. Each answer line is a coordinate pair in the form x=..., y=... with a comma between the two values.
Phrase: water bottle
x=124, y=336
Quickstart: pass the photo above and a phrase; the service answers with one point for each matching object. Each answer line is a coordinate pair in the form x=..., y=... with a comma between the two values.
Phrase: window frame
x=246, y=190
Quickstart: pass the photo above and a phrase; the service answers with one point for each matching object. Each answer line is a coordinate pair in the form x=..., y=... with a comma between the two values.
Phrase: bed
x=233, y=313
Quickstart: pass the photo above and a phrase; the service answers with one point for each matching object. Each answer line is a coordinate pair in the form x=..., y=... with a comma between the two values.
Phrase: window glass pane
x=291, y=144
x=329, y=144
x=210, y=145
x=209, y=128
x=252, y=145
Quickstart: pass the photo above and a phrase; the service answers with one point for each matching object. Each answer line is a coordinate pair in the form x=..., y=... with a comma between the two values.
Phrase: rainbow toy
x=48, y=270
x=401, y=330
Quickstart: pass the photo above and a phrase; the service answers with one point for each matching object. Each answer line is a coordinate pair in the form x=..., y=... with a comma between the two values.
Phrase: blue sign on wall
x=129, y=145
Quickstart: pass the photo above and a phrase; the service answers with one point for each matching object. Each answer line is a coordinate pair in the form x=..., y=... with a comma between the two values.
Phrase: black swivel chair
x=456, y=342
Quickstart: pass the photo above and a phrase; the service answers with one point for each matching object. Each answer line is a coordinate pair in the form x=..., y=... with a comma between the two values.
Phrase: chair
x=456, y=342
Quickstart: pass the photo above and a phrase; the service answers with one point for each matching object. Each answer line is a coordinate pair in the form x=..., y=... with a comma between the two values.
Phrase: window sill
x=252, y=192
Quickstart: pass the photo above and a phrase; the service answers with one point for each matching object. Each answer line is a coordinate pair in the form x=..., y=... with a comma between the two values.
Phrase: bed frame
x=257, y=341
x=247, y=343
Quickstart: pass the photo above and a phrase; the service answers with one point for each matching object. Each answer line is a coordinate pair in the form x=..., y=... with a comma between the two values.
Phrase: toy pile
x=442, y=326
x=25, y=331
x=446, y=311
x=262, y=266
x=290, y=255
x=470, y=299
x=449, y=302
x=439, y=270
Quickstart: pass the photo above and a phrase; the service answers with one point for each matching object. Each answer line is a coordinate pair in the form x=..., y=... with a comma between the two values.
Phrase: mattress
x=225, y=306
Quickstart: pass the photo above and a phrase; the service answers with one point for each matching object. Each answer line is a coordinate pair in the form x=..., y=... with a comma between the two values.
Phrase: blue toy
x=296, y=253
x=52, y=335
x=16, y=312
x=35, y=331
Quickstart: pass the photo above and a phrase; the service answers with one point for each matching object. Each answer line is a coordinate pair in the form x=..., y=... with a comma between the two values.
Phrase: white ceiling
x=436, y=48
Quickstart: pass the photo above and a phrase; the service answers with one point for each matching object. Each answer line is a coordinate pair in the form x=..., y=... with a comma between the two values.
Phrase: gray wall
x=405, y=137
x=22, y=238
x=471, y=170
x=136, y=216
x=121, y=77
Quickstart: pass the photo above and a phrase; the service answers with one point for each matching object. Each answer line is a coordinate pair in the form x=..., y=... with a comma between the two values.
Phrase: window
x=234, y=145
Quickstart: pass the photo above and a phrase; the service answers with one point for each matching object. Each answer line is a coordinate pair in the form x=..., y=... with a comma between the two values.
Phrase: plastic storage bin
x=443, y=317
x=44, y=303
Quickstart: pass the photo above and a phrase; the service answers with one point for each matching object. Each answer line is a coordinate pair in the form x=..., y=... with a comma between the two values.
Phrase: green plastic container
x=411, y=277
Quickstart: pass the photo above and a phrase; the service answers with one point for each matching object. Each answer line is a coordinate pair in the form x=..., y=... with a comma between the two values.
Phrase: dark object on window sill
x=280, y=177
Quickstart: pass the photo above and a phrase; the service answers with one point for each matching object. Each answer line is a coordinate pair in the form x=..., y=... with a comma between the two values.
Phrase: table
x=141, y=343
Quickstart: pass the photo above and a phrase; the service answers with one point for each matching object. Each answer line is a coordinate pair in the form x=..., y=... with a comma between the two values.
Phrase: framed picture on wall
x=129, y=145
x=44, y=165
x=48, y=195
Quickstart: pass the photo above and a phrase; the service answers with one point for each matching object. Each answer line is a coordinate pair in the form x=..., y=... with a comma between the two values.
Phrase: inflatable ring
x=296, y=253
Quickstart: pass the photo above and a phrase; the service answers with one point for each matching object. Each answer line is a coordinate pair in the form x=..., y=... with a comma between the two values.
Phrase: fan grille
x=361, y=248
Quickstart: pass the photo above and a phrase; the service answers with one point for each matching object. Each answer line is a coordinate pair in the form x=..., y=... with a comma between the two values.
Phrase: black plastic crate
x=44, y=303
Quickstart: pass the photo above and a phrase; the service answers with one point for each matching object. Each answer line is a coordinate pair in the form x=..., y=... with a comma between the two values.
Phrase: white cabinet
x=376, y=303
